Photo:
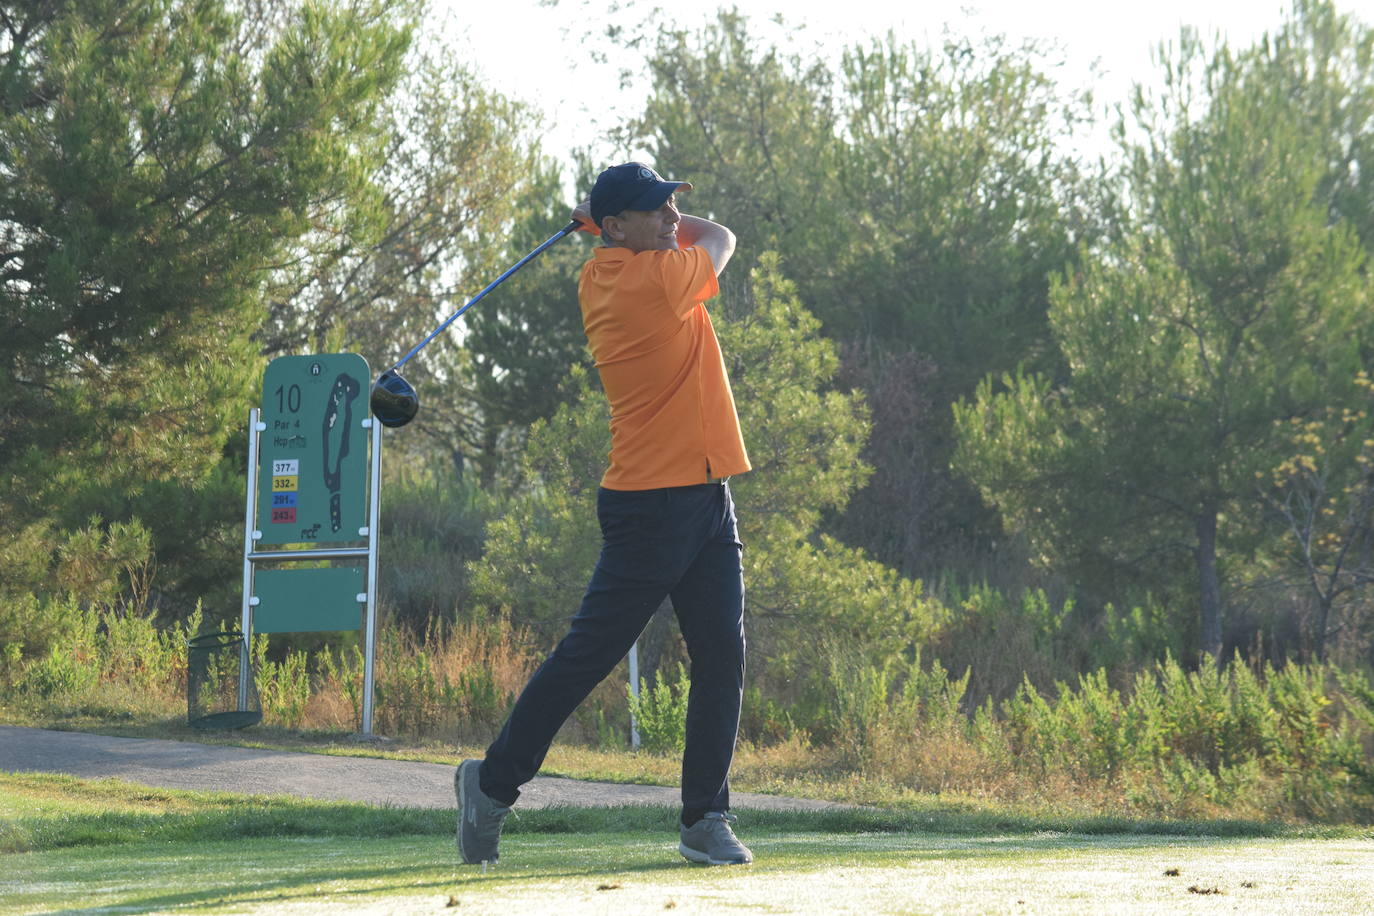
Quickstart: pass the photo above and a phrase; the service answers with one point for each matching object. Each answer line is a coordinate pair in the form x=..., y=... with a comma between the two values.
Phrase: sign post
x=314, y=471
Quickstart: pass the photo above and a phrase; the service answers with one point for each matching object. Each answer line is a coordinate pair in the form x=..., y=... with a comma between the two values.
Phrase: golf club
x=393, y=399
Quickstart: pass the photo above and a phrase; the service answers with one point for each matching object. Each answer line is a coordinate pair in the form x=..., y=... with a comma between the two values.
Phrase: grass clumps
x=1259, y=743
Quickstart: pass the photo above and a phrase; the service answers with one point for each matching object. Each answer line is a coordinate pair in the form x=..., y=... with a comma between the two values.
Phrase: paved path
x=375, y=781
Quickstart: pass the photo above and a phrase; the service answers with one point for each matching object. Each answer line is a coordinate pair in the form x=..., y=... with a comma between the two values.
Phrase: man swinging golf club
x=667, y=519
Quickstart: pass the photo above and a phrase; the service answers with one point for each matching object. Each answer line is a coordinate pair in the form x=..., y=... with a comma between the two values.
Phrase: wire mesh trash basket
x=220, y=692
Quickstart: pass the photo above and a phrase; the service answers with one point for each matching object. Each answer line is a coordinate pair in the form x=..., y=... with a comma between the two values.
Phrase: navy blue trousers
x=677, y=541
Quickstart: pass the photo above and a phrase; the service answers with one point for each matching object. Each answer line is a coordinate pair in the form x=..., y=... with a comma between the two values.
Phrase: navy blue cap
x=632, y=186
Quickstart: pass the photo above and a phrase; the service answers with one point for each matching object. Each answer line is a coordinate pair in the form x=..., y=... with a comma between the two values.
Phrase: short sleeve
x=688, y=278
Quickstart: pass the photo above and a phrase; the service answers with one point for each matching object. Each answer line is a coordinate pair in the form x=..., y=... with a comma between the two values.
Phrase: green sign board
x=312, y=456
x=308, y=600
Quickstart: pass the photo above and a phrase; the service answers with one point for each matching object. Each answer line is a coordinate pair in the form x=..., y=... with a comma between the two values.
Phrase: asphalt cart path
x=371, y=780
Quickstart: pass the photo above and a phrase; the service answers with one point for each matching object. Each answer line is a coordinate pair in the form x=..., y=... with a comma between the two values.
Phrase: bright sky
x=532, y=51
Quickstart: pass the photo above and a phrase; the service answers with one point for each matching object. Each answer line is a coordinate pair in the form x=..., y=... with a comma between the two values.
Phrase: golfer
x=667, y=520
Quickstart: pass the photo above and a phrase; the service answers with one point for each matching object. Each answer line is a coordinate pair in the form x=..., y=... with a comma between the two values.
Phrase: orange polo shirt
x=673, y=420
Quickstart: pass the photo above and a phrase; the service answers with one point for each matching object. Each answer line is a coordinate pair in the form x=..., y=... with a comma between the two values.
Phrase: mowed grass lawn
x=106, y=847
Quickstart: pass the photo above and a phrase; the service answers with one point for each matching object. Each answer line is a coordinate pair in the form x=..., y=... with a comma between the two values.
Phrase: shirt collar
x=602, y=253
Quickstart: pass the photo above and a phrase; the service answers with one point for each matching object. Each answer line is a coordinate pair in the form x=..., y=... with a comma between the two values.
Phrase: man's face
x=647, y=230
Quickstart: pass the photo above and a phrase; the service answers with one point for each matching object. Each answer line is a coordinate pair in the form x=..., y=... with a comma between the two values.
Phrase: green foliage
x=105, y=659
x=955, y=205
x=766, y=720
x=967, y=204
x=873, y=709
x=1003, y=638
x=95, y=625
x=433, y=524
x=1139, y=635
x=97, y=566
x=1291, y=742
x=283, y=686
x=1230, y=303
x=803, y=438
x=1200, y=739
x=660, y=712
x=859, y=708
x=410, y=695
x=605, y=733
x=450, y=678
x=153, y=174
x=144, y=654
x=804, y=441
x=1357, y=753
x=541, y=552
x=343, y=672
x=1323, y=495
x=837, y=590
x=30, y=626
x=1322, y=60
x=61, y=678
x=452, y=153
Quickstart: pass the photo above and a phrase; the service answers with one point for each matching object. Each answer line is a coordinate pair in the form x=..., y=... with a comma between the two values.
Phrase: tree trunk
x=1324, y=601
x=488, y=461
x=1209, y=583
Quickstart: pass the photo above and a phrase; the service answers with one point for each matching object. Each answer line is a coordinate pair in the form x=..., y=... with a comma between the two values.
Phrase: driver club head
x=393, y=399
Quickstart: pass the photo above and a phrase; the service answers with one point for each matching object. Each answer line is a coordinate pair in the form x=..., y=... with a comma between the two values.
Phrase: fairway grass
x=103, y=846
x=634, y=873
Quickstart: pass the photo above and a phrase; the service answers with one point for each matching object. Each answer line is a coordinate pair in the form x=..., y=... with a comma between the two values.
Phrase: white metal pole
x=373, y=531
x=249, y=536
x=634, y=691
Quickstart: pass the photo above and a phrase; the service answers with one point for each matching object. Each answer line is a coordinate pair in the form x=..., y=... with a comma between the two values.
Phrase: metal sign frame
x=369, y=532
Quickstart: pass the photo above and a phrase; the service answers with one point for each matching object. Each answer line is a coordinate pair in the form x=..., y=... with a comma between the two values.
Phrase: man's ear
x=612, y=230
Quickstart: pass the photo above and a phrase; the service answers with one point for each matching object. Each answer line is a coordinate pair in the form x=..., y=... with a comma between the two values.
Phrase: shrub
x=434, y=525
x=1234, y=740
x=457, y=679
x=878, y=710
x=283, y=687
x=61, y=678
x=660, y=713
x=343, y=674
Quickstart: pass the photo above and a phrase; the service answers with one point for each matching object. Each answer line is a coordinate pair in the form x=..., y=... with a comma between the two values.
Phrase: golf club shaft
x=571, y=227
